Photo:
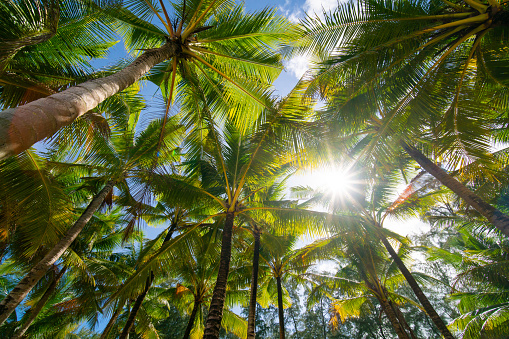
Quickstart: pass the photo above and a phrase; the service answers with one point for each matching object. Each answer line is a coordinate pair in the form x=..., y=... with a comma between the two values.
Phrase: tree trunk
x=136, y=307
x=11, y=301
x=112, y=321
x=417, y=290
x=216, y=305
x=389, y=312
x=190, y=324
x=23, y=126
x=34, y=312
x=494, y=216
x=254, y=286
x=403, y=321
x=280, y=308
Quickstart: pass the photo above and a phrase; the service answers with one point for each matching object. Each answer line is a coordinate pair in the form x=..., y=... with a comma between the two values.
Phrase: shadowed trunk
x=34, y=312
x=136, y=307
x=403, y=321
x=494, y=216
x=215, y=316
x=254, y=286
x=417, y=290
x=148, y=284
x=389, y=312
x=112, y=321
x=11, y=301
x=190, y=324
x=280, y=308
x=23, y=126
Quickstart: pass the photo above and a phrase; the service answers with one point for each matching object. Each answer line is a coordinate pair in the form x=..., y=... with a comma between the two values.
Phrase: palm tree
x=115, y=162
x=366, y=273
x=371, y=203
x=278, y=257
x=204, y=39
x=480, y=286
x=404, y=73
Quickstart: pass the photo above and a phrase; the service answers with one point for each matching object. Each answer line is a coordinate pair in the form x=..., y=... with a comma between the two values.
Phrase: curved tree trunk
x=112, y=321
x=23, y=126
x=11, y=301
x=190, y=324
x=215, y=316
x=34, y=312
x=280, y=308
x=494, y=216
x=136, y=307
x=254, y=286
x=417, y=290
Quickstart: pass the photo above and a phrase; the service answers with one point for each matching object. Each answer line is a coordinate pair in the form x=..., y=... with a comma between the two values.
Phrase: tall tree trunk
x=112, y=321
x=34, y=312
x=148, y=284
x=403, y=321
x=23, y=126
x=280, y=308
x=11, y=301
x=324, y=325
x=136, y=307
x=494, y=216
x=190, y=324
x=389, y=312
x=417, y=290
x=215, y=315
x=254, y=286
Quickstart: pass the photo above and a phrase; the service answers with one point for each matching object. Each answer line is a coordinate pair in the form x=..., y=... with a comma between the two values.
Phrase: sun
x=336, y=180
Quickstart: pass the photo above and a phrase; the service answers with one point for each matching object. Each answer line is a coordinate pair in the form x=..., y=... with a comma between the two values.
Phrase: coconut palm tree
x=204, y=39
x=365, y=273
x=371, y=200
x=429, y=73
x=115, y=163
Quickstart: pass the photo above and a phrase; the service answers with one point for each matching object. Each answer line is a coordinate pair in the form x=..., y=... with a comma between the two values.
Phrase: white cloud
x=297, y=66
x=317, y=6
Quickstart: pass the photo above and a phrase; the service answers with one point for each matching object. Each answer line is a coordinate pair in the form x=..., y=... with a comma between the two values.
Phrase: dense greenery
x=413, y=110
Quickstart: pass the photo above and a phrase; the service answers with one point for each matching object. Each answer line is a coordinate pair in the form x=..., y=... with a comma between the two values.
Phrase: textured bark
x=215, y=315
x=11, y=301
x=34, y=312
x=403, y=321
x=494, y=216
x=112, y=321
x=389, y=312
x=280, y=308
x=417, y=291
x=136, y=307
x=190, y=324
x=254, y=287
x=23, y=126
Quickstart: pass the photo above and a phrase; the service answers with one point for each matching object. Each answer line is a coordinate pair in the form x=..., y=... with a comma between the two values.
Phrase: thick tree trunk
x=112, y=321
x=23, y=126
x=494, y=216
x=280, y=308
x=215, y=316
x=136, y=307
x=190, y=324
x=11, y=301
x=34, y=312
x=417, y=290
x=254, y=286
